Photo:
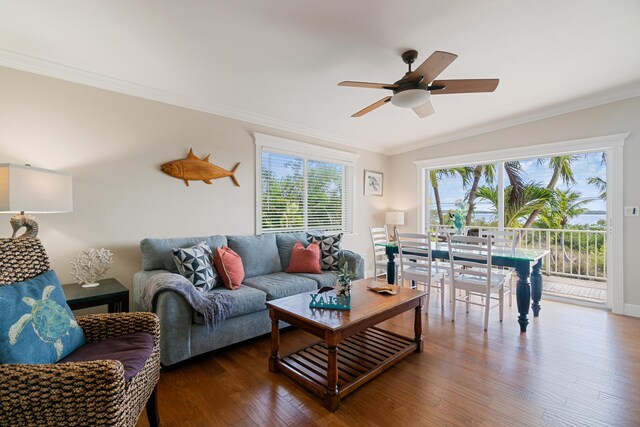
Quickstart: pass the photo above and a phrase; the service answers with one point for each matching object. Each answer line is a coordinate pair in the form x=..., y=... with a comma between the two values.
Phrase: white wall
x=615, y=118
x=113, y=146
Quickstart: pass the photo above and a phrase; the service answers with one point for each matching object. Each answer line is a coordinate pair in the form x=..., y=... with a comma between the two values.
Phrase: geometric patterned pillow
x=329, y=249
x=194, y=263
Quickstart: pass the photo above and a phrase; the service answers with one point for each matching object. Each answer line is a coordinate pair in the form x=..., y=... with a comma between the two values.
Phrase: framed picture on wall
x=372, y=183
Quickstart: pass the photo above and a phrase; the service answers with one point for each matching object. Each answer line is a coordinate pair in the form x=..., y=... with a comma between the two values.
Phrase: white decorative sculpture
x=90, y=266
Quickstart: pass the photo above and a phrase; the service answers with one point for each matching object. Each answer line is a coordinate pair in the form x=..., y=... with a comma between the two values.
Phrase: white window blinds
x=300, y=193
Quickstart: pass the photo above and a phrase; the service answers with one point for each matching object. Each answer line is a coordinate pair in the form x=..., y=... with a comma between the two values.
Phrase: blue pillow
x=36, y=325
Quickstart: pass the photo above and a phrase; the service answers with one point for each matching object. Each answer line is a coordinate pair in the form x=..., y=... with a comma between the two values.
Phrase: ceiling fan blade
x=372, y=107
x=424, y=110
x=465, y=86
x=368, y=85
x=433, y=66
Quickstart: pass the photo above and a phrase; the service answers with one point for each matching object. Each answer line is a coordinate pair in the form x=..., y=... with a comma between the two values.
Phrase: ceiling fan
x=414, y=89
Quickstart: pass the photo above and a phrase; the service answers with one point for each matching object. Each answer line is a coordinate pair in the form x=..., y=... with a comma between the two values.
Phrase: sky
x=588, y=165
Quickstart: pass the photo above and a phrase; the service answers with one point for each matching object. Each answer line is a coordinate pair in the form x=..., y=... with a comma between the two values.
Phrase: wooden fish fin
x=233, y=175
x=206, y=159
x=191, y=155
x=208, y=181
x=186, y=181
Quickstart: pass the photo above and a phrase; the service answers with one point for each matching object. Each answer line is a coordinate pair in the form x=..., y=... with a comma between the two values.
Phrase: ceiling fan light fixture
x=410, y=98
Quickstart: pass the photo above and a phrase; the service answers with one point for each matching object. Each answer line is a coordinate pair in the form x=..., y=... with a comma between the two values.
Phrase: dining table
x=525, y=261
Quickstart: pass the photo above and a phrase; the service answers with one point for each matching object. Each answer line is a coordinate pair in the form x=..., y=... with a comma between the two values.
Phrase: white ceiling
x=278, y=62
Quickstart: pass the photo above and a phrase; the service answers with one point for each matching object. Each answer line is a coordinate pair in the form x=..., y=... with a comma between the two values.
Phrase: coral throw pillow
x=229, y=266
x=305, y=260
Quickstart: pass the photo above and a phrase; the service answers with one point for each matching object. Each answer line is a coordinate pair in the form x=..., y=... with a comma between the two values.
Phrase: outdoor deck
x=579, y=289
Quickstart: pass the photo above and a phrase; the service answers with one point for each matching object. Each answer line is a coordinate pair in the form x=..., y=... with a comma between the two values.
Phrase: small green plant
x=344, y=280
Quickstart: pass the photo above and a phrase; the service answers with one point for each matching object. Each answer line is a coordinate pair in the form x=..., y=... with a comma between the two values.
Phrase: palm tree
x=567, y=206
x=561, y=166
x=489, y=172
x=534, y=197
x=600, y=184
x=436, y=174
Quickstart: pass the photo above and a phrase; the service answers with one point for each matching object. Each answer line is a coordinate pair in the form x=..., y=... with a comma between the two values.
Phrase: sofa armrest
x=356, y=262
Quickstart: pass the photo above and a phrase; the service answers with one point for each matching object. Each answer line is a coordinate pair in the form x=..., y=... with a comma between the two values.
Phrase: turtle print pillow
x=37, y=325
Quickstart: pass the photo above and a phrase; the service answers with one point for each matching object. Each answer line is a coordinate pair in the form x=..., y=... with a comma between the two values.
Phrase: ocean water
x=584, y=219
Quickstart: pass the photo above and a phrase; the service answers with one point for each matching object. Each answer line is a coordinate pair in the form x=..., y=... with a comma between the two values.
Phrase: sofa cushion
x=259, y=253
x=305, y=260
x=132, y=350
x=247, y=300
x=280, y=285
x=229, y=266
x=195, y=263
x=36, y=325
x=330, y=247
x=157, y=253
x=326, y=278
x=285, y=243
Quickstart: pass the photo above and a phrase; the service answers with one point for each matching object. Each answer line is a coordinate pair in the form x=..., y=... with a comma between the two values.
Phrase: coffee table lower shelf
x=361, y=357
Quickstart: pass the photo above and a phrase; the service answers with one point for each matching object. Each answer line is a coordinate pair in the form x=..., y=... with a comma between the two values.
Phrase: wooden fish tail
x=233, y=175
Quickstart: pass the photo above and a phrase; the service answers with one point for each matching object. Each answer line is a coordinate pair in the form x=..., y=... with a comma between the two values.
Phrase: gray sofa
x=265, y=258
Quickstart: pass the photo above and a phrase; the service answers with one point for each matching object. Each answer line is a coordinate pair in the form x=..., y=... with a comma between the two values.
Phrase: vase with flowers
x=459, y=215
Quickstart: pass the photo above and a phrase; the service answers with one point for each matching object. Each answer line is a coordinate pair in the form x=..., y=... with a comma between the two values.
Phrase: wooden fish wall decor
x=194, y=169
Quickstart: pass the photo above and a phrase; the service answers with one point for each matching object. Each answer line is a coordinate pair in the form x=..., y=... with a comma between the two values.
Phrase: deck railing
x=580, y=254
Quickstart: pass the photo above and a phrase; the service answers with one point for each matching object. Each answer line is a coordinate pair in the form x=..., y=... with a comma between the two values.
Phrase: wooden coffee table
x=353, y=350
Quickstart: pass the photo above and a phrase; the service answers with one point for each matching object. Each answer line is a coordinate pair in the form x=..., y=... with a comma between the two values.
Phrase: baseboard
x=574, y=301
x=632, y=310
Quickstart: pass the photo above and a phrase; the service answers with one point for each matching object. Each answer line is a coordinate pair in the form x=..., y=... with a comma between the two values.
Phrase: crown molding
x=35, y=65
x=39, y=66
x=582, y=103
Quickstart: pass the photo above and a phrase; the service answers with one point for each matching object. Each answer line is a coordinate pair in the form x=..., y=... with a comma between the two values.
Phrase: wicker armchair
x=82, y=393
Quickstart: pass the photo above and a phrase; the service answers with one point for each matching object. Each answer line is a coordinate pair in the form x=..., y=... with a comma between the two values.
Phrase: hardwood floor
x=575, y=366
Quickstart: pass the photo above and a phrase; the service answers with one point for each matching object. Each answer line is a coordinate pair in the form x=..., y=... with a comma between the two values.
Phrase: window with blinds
x=301, y=193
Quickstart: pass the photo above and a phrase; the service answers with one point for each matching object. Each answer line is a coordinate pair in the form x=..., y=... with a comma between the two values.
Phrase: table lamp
x=394, y=218
x=34, y=190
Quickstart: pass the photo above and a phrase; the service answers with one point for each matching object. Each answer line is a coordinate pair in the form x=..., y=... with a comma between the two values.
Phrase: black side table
x=110, y=292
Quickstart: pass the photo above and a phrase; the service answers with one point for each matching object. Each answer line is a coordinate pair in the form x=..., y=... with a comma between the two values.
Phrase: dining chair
x=416, y=265
x=475, y=275
x=443, y=230
x=380, y=235
x=505, y=239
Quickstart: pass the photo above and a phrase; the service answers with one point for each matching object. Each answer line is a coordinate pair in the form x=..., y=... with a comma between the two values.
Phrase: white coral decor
x=91, y=264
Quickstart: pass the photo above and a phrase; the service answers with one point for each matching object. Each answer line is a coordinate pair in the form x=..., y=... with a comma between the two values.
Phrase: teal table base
x=528, y=288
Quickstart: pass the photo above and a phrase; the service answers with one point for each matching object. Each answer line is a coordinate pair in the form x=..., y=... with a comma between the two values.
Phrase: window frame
x=307, y=152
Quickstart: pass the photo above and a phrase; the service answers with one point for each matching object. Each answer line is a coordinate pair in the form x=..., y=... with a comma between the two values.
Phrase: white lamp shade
x=34, y=190
x=394, y=218
x=410, y=98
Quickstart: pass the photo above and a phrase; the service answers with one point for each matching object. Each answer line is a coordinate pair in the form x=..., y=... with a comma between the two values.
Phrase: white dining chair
x=505, y=239
x=380, y=235
x=416, y=265
x=475, y=276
